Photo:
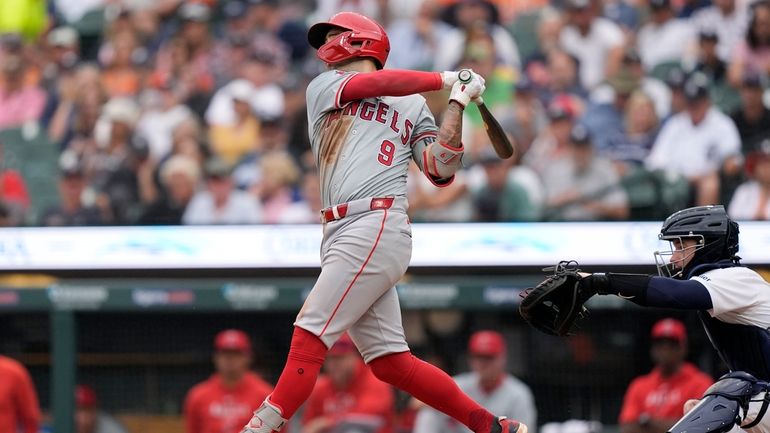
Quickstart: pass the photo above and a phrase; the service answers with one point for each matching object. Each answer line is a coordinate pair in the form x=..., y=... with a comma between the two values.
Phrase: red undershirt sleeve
x=390, y=82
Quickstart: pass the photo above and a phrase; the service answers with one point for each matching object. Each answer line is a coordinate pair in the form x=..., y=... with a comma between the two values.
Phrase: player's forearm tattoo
x=451, y=129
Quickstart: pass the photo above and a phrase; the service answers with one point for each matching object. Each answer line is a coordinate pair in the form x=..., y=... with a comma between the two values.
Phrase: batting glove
x=464, y=92
x=449, y=78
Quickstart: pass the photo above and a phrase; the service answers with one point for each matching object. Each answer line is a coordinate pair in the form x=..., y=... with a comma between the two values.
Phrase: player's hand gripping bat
x=500, y=142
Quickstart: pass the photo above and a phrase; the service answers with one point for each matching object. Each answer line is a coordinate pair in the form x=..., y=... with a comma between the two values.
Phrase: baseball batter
x=365, y=125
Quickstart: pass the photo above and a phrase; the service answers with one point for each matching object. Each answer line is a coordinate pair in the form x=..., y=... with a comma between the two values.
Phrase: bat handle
x=464, y=76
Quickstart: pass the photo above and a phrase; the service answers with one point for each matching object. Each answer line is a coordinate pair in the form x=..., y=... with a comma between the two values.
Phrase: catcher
x=700, y=272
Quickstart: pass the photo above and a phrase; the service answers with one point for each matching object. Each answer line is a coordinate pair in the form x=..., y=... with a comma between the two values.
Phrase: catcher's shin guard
x=722, y=405
x=266, y=419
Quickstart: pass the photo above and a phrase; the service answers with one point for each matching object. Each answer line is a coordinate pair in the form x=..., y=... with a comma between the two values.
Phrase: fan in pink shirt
x=18, y=103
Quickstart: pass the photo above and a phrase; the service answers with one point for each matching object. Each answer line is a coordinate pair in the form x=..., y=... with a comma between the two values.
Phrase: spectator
x=19, y=410
x=581, y=186
x=80, y=100
x=640, y=124
x=121, y=76
x=267, y=99
x=282, y=34
x=655, y=401
x=553, y=141
x=451, y=203
x=604, y=117
x=622, y=13
x=595, y=41
x=71, y=211
x=63, y=56
x=179, y=177
x=234, y=47
x=698, y=143
x=187, y=140
x=632, y=65
x=348, y=397
x=487, y=383
x=468, y=15
x=664, y=38
x=675, y=79
x=726, y=18
x=753, y=118
x=526, y=118
x=752, y=55
x=163, y=115
x=505, y=191
x=88, y=417
x=305, y=210
x=275, y=190
x=689, y=7
x=480, y=55
x=19, y=102
x=549, y=27
x=416, y=42
x=563, y=76
x=236, y=25
x=224, y=402
x=220, y=202
x=190, y=58
x=111, y=166
x=176, y=61
x=708, y=60
x=751, y=200
x=535, y=67
x=232, y=142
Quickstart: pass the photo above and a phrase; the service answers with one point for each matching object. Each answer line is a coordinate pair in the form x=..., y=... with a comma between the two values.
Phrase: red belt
x=340, y=211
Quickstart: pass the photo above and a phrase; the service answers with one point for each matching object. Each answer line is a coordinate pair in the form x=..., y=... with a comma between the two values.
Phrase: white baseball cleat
x=266, y=419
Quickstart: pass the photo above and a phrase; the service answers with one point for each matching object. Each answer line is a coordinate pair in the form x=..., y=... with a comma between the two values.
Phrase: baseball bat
x=501, y=144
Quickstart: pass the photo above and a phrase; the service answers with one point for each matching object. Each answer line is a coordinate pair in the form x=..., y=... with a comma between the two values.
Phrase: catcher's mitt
x=555, y=304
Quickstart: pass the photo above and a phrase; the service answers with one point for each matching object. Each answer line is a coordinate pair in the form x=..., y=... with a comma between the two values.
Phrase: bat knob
x=465, y=76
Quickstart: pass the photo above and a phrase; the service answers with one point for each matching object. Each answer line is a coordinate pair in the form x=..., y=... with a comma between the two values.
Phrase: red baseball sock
x=432, y=386
x=306, y=356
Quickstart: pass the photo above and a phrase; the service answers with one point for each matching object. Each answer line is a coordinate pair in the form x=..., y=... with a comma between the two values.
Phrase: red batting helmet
x=363, y=37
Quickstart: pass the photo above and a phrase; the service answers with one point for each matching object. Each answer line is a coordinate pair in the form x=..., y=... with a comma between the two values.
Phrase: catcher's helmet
x=716, y=235
x=363, y=37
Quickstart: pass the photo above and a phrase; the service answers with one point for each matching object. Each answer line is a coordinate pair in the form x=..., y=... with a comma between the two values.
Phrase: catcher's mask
x=715, y=235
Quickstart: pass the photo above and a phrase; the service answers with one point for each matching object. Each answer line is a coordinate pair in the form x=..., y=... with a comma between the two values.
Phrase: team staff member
x=654, y=401
x=702, y=272
x=366, y=125
x=489, y=384
x=88, y=417
x=223, y=403
x=348, y=393
x=19, y=410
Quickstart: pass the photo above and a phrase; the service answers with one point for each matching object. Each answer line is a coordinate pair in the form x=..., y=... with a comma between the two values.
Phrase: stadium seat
x=524, y=31
x=29, y=151
x=662, y=70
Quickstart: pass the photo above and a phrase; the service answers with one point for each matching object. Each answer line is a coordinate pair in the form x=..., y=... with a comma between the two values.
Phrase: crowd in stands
x=193, y=111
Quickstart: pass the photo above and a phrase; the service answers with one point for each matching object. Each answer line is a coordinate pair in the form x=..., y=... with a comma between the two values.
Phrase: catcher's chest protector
x=742, y=347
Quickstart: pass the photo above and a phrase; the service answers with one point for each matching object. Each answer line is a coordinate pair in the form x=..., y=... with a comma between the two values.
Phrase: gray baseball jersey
x=363, y=149
x=512, y=398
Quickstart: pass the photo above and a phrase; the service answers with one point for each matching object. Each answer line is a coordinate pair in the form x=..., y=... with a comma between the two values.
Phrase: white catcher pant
x=754, y=406
x=362, y=258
